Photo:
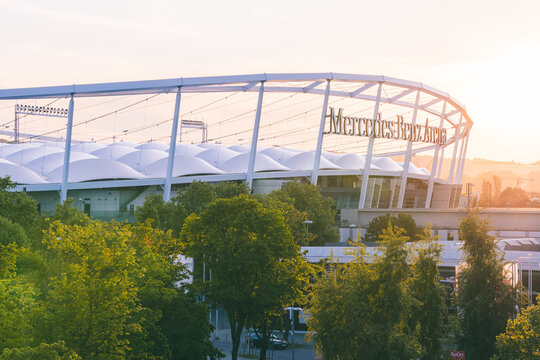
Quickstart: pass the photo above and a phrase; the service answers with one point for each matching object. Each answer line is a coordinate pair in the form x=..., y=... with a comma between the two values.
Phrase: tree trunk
x=237, y=325
x=265, y=337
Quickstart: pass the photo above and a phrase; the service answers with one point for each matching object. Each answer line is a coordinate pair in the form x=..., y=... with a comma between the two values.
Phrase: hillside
x=527, y=176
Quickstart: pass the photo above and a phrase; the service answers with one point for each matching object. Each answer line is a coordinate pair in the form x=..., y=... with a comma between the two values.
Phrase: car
x=273, y=342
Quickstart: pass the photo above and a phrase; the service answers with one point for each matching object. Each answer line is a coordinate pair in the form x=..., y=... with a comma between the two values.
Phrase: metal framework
x=317, y=83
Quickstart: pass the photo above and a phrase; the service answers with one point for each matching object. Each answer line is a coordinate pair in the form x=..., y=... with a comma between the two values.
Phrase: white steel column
x=460, y=157
x=407, y=160
x=67, y=153
x=435, y=159
x=318, y=150
x=255, y=138
x=439, y=168
x=464, y=157
x=367, y=164
x=172, y=147
x=456, y=143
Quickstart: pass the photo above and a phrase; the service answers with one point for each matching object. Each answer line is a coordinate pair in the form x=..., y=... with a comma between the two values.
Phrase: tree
x=360, y=310
x=513, y=197
x=164, y=215
x=319, y=209
x=54, y=351
x=174, y=324
x=230, y=189
x=484, y=298
x=17, y=304
x=196, y=196
x=378, y=225
x=93, y=295
x=251, y=256
x=113, y=294
x=521, y=340
x=428, y=309
x=20, y=208
x=487, y=193
x=497, y=186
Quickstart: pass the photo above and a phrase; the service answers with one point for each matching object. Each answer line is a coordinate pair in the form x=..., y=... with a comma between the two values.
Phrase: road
x=301, y=352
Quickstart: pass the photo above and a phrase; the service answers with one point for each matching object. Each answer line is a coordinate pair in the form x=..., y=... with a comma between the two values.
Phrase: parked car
x=273, y=342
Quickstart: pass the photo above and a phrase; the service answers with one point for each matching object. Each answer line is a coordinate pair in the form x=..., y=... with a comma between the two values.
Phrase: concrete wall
x=506, y=223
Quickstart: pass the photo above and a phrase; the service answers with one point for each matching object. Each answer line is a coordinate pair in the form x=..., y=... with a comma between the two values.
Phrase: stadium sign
x=385, y=129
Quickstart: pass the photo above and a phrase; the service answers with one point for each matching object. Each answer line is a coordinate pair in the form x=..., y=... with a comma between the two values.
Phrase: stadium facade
x=355, y=136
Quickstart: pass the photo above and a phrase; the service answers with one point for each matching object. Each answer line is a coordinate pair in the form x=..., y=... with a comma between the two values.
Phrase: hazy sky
x=486, y=54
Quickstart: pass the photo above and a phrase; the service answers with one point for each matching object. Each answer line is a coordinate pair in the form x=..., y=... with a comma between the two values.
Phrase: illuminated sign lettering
x=384, y=129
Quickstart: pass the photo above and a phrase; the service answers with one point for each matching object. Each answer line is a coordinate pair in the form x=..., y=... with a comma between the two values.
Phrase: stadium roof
x=41, y=162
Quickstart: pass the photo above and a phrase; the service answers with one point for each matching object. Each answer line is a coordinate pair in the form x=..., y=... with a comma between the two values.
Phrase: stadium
x=109, y=145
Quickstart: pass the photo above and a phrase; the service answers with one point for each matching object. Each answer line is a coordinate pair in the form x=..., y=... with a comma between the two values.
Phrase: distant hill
x=526, y=176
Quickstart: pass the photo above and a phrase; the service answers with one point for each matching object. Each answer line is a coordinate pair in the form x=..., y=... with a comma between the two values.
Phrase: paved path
x=304, y=352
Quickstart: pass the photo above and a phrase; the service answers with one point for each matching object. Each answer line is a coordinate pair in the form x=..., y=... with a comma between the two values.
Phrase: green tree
x=307, y=198
x=246, y=247
x=93, y=296
x=67, y=214
x=484, y=298
x=196, y=197
x=54, y=351
x=376, y=226
x=174, y=325
x=20, y=208
x=12, y=233
x=230, y=189
x=360, y=310
x=428, y=311
x=17, y=305
x=164, y=215
x=521, y=340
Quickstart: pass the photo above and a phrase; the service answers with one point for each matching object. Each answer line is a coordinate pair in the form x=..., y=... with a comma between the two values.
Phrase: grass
x=248, y=356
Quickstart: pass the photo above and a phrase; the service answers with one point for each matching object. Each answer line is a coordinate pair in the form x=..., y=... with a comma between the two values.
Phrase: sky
x=486, y=54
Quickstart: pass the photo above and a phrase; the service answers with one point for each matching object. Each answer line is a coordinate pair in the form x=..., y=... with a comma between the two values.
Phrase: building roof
x=42, y=162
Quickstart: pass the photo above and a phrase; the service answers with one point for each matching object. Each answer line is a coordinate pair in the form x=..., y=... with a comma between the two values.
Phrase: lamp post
x=291, y=312
x=307, y=222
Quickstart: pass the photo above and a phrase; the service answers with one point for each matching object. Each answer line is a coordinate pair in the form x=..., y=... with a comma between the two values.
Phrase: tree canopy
x=94, y=290
x=484, y=298
x=377, y=310
x=256, y=267
x=521, y=340
x=307, y=198
x=406, y=222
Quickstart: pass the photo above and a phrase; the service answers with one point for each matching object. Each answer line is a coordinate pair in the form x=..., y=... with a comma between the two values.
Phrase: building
x=354, y=135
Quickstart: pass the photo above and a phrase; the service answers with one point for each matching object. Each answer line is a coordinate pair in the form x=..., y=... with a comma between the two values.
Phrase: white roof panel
x=94, y=169
x=183, y=165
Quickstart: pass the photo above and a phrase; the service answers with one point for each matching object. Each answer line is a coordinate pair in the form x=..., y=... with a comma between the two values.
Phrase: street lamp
x=307, y=222
x=291, y=312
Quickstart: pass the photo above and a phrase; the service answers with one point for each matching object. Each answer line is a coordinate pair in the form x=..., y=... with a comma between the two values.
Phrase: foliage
x=92, y=297
x=12, y=233
x=54, y=351
x=165, y=215
x=319, y=209
x=17, y=304
x=197, y=196
x=253, y=260
x=19, y=208
x=67, y=214
x=509, y=197
x=360, y=310
x=193, y=199
x=404, y=221
x=521, y=340
x=513, y=197
x=485, y=300
x=428, y=309
x=230, y=189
